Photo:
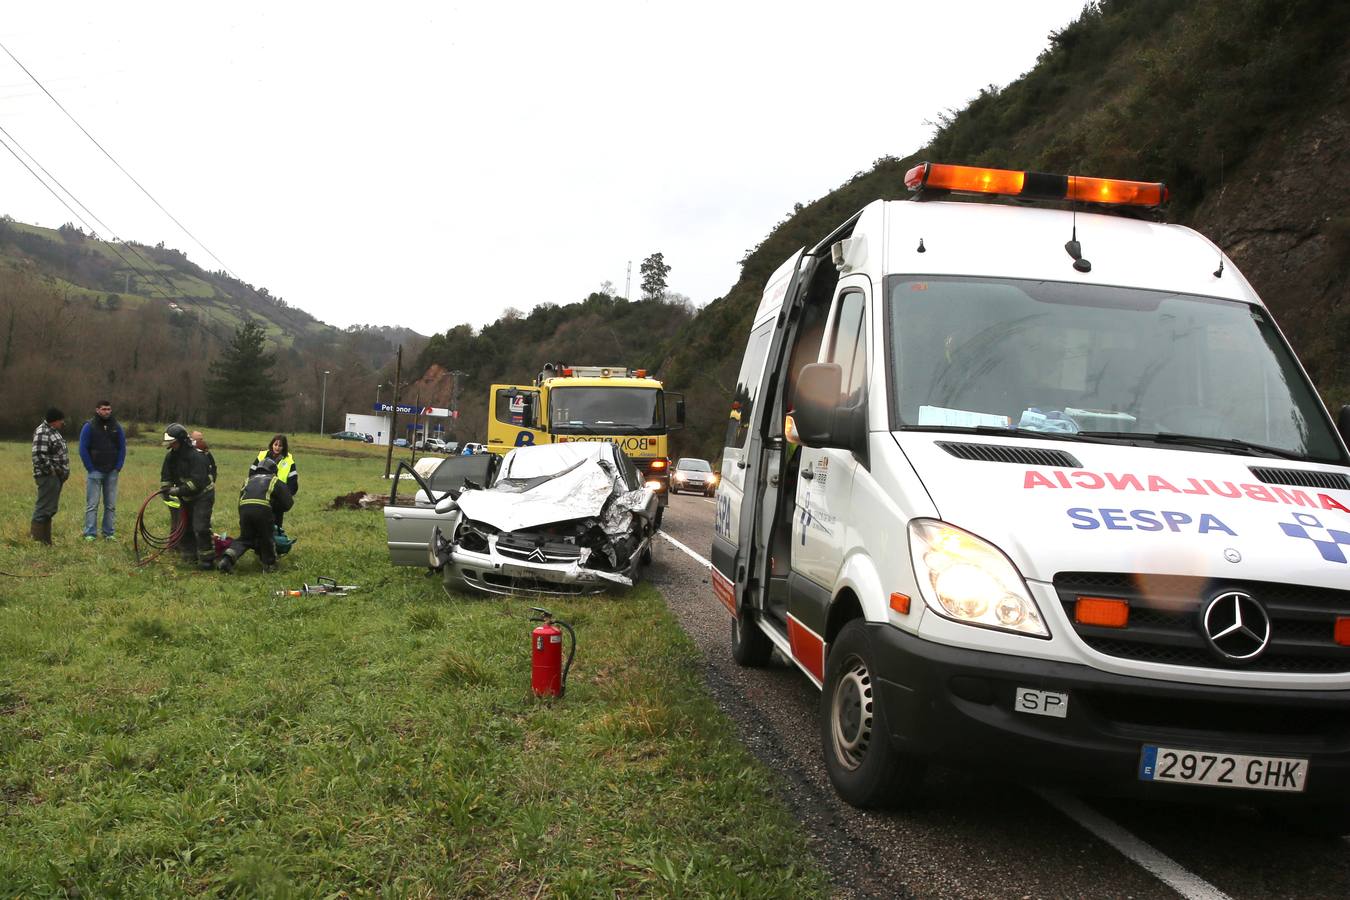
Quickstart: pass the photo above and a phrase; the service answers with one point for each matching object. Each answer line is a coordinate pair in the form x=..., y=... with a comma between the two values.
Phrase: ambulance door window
x=848, y=347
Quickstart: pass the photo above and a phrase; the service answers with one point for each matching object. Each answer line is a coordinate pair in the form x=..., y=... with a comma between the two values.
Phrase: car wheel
x=674, y=490
x=863, y=763
x=750, y=647
x=656, y=522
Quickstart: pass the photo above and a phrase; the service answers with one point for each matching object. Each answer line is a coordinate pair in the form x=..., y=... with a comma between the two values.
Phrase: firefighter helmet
x=176, y=432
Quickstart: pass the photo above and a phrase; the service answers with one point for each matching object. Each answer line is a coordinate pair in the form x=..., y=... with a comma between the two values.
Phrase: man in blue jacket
x=103, y=450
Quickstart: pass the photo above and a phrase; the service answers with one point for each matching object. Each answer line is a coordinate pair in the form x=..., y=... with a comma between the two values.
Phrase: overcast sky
x=426, y=164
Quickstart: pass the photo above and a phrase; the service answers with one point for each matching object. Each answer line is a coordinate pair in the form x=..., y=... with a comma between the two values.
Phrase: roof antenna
x=1073, y=248
x=1218, y=273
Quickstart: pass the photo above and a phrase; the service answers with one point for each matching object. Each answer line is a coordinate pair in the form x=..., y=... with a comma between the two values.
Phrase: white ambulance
x=1062, y=502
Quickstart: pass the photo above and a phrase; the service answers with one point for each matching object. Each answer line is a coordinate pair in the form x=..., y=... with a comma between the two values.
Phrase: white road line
x=680, y=546
x=706, y=500
x=1163, y=867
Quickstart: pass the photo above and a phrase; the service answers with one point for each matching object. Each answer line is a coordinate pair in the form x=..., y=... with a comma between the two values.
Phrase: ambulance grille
x=1025, y=456
x=1334, y=481
x=1165, y=621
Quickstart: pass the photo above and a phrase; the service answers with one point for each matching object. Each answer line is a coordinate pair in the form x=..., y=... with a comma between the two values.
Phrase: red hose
x=158, y=544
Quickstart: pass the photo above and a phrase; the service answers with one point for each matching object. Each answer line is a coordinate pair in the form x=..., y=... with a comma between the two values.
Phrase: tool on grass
x=324, y=586
x=548, y=675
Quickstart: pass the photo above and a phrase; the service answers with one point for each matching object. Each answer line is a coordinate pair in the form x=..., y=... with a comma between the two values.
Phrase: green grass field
x=169, y=732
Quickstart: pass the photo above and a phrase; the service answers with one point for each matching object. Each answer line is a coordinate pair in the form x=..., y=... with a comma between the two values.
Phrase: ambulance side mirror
x=815, y=405
x=1343, y=424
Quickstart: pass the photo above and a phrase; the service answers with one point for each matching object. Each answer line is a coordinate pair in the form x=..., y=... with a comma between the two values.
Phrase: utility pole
x=628, y=282
x=323, y=400
x=393, y=417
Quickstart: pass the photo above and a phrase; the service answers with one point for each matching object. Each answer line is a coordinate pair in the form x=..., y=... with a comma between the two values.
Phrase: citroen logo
x=536, y=555
x=1236, y=626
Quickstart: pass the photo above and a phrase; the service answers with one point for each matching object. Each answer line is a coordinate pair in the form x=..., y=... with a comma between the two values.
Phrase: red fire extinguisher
x=548, y=674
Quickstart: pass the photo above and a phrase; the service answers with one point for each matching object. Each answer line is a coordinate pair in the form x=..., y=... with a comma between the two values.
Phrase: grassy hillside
x=1240, y=106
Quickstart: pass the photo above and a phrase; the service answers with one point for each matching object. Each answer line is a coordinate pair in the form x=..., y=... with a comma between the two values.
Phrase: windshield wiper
x=1232, y=445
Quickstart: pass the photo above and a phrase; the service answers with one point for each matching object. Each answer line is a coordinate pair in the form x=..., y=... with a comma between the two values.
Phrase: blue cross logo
x=1328, y=540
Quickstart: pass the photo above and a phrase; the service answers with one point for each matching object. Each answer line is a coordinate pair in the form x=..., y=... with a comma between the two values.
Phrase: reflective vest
x=284, y=465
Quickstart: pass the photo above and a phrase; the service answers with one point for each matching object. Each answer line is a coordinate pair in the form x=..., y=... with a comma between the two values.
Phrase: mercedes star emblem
x=1236, y=626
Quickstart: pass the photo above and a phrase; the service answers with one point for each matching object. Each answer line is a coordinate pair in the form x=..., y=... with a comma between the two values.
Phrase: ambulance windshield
x=602, y=410
x=1055, y=357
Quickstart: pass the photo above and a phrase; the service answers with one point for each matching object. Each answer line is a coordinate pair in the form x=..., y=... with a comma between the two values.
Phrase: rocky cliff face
x=1284, y=218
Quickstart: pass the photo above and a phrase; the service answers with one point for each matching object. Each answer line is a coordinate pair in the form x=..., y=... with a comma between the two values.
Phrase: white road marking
x=1161, y=866
x=680, y=546
x=708, y=500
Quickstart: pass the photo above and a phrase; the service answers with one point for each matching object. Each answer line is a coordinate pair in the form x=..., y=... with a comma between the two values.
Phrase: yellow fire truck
x=590, y=403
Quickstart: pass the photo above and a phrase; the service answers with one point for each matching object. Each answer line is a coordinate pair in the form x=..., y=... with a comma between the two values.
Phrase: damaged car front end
x=569, y=518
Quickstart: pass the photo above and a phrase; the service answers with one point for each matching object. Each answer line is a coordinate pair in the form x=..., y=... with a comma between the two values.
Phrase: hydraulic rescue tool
x=324, y=586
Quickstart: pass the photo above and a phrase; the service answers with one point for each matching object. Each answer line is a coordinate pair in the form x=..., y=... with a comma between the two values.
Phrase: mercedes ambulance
x=1036, y=483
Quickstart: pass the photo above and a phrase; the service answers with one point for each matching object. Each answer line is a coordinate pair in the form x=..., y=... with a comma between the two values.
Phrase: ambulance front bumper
x=963, y=706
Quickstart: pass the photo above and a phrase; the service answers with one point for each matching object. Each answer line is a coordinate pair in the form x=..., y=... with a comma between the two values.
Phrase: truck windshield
x=1069, y=359
x=628, y=410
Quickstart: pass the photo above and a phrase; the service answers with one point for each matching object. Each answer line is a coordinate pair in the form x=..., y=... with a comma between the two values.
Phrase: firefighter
x=190, y=493
x=261, y=503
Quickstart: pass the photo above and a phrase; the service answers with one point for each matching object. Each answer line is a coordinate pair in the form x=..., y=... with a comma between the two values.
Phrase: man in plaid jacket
x=51, y=468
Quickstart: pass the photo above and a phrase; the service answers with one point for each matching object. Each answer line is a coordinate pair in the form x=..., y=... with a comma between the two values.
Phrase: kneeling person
x=263, y=500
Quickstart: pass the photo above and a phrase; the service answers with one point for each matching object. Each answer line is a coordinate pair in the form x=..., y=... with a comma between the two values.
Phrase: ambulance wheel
x=862, y=762
x=750, y=647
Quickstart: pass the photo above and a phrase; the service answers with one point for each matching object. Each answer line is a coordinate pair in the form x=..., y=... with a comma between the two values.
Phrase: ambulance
x=615, y=404
x=1025, y=479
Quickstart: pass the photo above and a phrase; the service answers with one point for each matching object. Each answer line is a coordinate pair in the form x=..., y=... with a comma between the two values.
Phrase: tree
x=240, y=389
x=654, y=271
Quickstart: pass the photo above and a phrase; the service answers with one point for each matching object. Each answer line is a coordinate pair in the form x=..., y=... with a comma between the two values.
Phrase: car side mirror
x=1343, y=424
x=446, y=504
x=820, y=417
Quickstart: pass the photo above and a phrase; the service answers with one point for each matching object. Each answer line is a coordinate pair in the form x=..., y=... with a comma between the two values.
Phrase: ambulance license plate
x=1232, y=770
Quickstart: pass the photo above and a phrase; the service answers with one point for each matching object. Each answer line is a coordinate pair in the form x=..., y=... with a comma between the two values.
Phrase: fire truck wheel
x=750, y=647
x=861, y=760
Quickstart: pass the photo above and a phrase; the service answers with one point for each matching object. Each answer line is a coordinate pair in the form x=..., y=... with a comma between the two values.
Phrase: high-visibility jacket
x=286, y=471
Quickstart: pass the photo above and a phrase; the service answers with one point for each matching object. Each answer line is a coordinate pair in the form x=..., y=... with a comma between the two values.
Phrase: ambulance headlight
x=968, y=579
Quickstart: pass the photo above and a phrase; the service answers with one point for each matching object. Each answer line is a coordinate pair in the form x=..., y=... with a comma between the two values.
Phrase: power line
x=81, y=218
x=150, y=266
x=119, y=165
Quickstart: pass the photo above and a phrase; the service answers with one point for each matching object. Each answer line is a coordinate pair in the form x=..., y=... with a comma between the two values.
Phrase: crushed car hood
x=578, y=491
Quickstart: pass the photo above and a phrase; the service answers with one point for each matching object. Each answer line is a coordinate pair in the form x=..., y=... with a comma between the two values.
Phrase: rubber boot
x=33, y=531
x=44, y=531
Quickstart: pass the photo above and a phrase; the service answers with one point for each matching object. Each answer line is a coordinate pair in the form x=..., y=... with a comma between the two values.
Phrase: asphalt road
x=972, y=836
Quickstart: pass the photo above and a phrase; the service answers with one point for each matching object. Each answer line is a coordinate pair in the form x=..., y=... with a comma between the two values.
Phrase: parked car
x=557, y=519
x=347, y=436
x=471, y=448
x=400, y=442
x=693, y=475
x=411, y=516
x=432, y=445
x=370, y=438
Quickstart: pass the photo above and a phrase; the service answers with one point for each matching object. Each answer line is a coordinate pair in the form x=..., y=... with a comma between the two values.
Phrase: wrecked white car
x=569, y=518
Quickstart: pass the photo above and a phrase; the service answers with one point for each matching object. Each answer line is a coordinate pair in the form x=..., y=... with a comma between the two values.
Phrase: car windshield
x=631, y=410
x=1074, y=360
x=694, y=465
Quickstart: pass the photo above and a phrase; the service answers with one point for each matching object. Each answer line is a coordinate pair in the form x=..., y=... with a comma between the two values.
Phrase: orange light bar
x=1111, y=190
x=658, y=464
x=567, y=371
x=1035, y=185
x=1343, y=631
x=640, y=373
x=966, y=178
x=1101, y=611
x=900, y=603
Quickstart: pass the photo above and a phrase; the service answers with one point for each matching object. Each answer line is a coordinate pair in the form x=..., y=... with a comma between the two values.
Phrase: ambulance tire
x=750, y=647
x=863, y=764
